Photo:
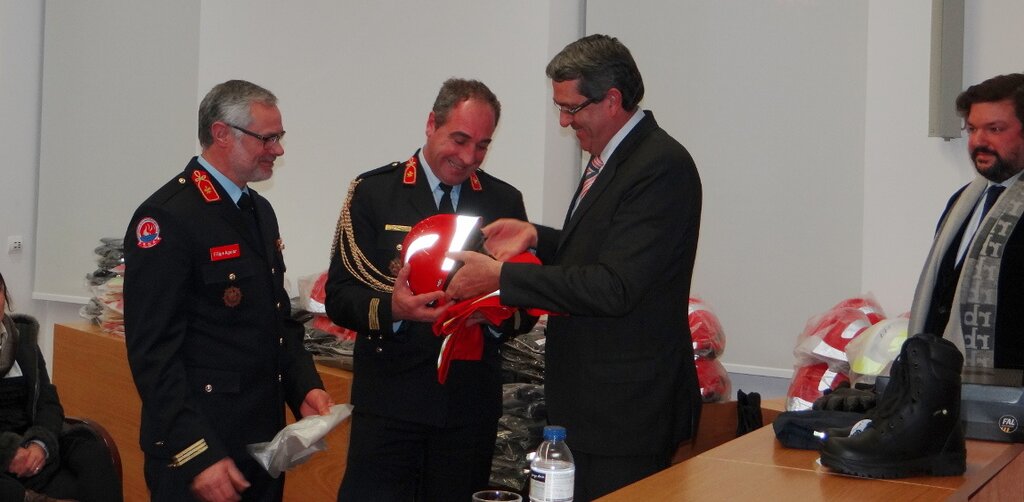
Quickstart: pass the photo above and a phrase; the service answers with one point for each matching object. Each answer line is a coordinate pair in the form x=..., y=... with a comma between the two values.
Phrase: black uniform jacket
x=211, y=345
x=396, y=373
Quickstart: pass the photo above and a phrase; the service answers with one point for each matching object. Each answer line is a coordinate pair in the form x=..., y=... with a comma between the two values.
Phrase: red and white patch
x=225, y=252
x=147, y=232
x=232, y=296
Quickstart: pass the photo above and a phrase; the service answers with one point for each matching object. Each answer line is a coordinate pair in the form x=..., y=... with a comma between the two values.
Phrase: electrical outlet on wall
x=14, y=244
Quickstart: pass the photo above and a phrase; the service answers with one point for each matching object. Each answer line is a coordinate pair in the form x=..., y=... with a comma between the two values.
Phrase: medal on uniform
x=232, y=296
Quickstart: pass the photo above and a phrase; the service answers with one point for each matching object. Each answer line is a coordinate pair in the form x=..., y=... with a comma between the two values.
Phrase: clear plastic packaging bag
x=294, y=444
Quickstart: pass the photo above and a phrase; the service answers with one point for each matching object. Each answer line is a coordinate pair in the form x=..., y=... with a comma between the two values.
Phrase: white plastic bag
x=298, y=441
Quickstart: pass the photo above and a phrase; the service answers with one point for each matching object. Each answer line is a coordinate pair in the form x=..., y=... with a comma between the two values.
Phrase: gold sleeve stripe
x=374, y=321
x=398, y=228
x=189, y=453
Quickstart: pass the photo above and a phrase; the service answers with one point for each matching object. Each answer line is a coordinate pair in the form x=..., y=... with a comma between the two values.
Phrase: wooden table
x=757, y=467
x=90, y=370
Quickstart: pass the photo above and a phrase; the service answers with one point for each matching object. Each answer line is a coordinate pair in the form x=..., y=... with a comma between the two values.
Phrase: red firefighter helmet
x=427, y=243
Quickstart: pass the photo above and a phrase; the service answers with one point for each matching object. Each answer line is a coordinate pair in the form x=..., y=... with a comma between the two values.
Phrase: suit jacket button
x=379, y=349
x=279, y=305
x=208, y=388
x=231, y=276
x=279, y=377
x=280, y=341
x=273, y=270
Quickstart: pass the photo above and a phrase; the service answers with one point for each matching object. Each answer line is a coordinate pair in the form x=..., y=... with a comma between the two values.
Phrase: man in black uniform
x=212, y=348
x=414, y=438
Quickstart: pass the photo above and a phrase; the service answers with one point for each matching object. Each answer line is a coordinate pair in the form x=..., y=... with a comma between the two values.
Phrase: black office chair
x=73, y=424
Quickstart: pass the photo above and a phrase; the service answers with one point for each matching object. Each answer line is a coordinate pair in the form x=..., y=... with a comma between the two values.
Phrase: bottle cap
x=554, y=433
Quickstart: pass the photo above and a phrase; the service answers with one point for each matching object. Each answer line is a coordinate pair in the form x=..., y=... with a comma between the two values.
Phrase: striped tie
x=589, y=176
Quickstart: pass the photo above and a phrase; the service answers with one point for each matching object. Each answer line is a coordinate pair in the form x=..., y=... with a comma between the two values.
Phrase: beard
x=999, y=171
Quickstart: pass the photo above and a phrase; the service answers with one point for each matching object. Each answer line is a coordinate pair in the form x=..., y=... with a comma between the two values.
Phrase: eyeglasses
x=268, y=141
x=575, y=109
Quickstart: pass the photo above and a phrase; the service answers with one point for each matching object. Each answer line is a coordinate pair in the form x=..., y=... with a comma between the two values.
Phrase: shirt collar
x=229, y=186
x=432, y=180
x=1009, y=182
x=626, y=128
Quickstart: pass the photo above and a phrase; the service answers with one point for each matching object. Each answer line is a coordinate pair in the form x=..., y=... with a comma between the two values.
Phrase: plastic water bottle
x=552, y=471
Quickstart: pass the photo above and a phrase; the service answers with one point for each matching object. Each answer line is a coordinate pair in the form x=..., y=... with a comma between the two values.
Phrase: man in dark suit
x=212, y=348
x=970, y=290
x=414, y=438
x=620, y=374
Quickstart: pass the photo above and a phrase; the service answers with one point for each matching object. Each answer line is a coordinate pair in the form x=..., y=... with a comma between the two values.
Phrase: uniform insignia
x=279, y=244
x=409, y=177
x=225, y=252
x=205, y=186
x=193, y=451
x=397, y=228
x=395, y=265
x=232, y=296
x=147, y=232
x=474, y=182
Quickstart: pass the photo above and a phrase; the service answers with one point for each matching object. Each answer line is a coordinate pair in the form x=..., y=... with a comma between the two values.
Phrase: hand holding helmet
x=508, y=237
x=408, y=306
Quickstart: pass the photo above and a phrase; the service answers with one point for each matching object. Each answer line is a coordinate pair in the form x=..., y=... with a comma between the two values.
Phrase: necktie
x=991, y=195
x=589, y=176
x=445, y=205
x=249, y=214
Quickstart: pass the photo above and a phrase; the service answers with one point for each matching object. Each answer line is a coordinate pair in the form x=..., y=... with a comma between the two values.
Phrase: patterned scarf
x=974, y=303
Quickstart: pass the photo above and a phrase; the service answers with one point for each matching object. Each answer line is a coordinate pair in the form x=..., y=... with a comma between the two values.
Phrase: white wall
x=21, y=55
x=906, y=176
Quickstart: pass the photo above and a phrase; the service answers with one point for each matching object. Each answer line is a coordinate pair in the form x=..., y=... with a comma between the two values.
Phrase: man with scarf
x=970, y=290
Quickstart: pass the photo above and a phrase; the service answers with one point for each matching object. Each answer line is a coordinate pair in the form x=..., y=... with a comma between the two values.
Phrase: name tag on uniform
x=225, y=252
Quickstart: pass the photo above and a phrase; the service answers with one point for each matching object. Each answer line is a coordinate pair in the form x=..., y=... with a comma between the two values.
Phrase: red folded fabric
x=466, y=343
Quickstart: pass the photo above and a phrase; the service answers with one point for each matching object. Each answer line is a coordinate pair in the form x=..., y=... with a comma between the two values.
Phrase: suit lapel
x=622, y=152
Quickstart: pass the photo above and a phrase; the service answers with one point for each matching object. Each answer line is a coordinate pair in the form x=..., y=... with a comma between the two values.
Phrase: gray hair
x=457, y=90
x=599, y=62
x=230, y=102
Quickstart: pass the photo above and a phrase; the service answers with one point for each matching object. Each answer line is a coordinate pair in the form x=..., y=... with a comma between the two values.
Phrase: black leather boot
x=915, y=429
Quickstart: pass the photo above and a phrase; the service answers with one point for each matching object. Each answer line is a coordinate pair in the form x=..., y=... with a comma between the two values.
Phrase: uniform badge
x=147, y=232
x=205, y=186
x=395, y=265
x=474, y=182
x=409, y=177
x=232, y=296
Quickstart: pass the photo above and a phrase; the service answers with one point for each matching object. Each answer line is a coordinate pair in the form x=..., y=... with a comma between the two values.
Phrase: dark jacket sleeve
x=156, y=286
